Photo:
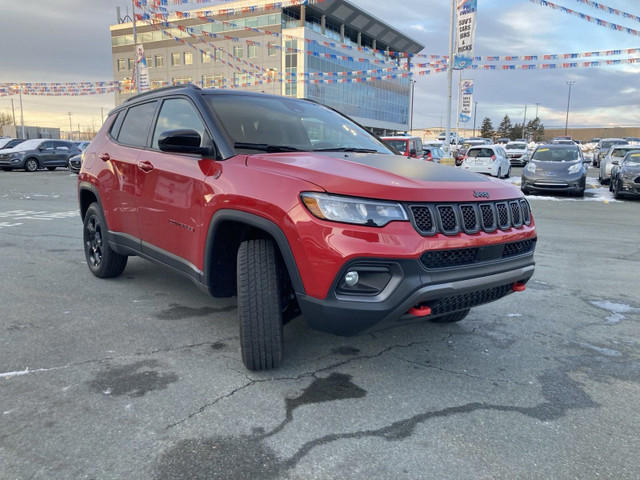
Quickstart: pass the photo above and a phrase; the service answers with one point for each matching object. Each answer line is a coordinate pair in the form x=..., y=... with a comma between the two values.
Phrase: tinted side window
x=115, y=128
x=177, y=113
x=135, y=127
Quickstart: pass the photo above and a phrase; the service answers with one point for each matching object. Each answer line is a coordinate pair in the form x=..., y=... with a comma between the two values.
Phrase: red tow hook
x=519, y=287
x=420, y=311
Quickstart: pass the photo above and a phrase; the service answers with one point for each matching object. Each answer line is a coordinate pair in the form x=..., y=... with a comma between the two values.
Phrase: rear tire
x=452, y=317
x=260, y=305
x=101, y=259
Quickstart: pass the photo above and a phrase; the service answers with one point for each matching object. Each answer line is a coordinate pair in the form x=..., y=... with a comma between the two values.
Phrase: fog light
x=351, y=278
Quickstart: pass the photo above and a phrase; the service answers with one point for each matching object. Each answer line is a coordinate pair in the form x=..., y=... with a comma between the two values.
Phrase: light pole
x=566, y=123
x=475, y=112
x=413, y=84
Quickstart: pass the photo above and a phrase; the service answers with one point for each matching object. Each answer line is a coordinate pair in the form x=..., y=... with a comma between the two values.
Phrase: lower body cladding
x=373, y=294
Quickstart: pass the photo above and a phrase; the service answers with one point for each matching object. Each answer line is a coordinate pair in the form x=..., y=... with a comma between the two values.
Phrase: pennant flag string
x=588, y=18
x=613, y=11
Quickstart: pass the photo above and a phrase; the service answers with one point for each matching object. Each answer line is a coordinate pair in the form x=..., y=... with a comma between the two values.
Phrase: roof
x=343, y=11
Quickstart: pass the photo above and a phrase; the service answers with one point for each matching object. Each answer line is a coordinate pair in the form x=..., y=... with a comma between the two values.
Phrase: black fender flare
x=260, y=223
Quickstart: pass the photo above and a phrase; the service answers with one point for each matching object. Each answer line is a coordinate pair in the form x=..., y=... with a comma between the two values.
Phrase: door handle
x=104, y=157
x=145, y=166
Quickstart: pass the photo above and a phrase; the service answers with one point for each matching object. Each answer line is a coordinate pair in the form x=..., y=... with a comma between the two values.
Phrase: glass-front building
x=332, y=52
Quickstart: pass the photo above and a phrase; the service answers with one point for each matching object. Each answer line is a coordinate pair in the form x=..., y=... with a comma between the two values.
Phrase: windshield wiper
x=346, y=149
x=266, y=147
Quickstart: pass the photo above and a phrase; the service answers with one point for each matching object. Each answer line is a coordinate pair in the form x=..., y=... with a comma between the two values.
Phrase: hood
x=382, y=176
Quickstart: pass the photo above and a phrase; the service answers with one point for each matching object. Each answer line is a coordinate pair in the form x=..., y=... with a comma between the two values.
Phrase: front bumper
x=629, y=187
x=538, y=183
x=454, y=282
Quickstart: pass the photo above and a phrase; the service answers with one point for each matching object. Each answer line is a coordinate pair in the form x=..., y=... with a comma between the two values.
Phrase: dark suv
x=36, y=153
x=296, y=209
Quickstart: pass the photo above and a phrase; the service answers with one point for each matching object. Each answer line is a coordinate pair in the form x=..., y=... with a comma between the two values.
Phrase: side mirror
x=182, y=141
x=615, y=162
x=413, y=152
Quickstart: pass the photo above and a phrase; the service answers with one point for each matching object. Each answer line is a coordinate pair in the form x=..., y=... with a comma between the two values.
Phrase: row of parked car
x=557, y=166
x=39, y=153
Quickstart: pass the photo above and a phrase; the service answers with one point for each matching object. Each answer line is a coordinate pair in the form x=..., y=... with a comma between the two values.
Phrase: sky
x=69, y=41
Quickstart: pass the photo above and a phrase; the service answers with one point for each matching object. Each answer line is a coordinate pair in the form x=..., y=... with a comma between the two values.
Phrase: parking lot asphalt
x=140, y=377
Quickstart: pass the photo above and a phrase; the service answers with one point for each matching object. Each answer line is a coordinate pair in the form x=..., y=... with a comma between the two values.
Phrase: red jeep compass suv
x=296, y=209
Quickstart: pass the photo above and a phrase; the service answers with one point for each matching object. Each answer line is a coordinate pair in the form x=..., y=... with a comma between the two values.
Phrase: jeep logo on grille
x=480, y=194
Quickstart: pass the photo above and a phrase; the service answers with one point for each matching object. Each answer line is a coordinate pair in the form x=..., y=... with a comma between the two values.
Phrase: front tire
x=101, y=259
x=260, y=305
x=31, y=165
x=616, y=190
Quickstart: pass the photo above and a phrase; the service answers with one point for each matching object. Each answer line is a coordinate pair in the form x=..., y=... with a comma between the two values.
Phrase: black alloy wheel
x=101, y=259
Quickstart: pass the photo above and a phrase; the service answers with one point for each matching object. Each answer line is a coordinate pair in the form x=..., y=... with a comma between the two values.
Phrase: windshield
x=610, y=143
x=556, y=154
x=621, y=152
x=515, y=146
x=284, y=124
x=632, y=160
x=400, y=145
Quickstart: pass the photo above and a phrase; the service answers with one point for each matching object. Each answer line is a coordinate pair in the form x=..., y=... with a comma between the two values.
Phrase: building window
x=205, y=57
x=271, y=49
x=238, y=51
x=159, y=61
x=272, y=75
x=182, y=80
x=122, y=64
x=188, y=58
x=218, y=54
x=130, y=63
x=175, y=59
x=252, y=51
x=149, y=62
x=212, y=81
x=157, y=84
x=239, y=79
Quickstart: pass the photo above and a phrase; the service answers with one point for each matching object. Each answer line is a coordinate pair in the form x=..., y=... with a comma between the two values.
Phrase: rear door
x=129, y=136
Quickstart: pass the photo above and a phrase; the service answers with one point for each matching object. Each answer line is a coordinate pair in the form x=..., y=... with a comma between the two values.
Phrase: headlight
x=531, y=167
x=575, y=168
x=628, y=175
x=353, y=210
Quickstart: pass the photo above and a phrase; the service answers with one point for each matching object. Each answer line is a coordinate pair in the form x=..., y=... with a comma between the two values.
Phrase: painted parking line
x=14, y=218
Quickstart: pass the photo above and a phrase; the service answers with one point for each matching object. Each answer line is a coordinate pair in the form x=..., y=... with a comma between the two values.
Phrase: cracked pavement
x=141, y=377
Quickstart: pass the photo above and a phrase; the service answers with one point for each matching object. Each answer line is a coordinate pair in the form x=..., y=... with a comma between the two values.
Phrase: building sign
x=143, y=70
x=466, y=96
x=465, y=33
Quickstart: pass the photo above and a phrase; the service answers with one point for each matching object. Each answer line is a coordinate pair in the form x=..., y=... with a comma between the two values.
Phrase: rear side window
x=136, y=124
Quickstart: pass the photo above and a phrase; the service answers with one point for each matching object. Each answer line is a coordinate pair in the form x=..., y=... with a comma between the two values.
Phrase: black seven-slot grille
x=452, y=218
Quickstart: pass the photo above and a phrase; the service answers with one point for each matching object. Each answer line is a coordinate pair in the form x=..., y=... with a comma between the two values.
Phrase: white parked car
x=491, y=159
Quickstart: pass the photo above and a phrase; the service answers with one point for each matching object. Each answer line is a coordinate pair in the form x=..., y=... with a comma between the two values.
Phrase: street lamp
x=413, y=84
x=566, y=123
x=475, y=112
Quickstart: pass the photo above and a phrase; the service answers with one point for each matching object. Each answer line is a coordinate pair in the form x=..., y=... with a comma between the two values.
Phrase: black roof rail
x=162, y=89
